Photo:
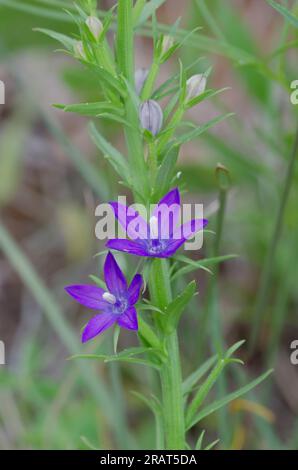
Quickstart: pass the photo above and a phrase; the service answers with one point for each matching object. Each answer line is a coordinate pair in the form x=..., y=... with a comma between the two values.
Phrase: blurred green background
x=51, y=180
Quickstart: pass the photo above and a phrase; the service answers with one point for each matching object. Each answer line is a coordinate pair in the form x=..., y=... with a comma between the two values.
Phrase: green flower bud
x=95, y=26
x=223, y=177
x=195, y=86
x=79, y=50
x=167, y=43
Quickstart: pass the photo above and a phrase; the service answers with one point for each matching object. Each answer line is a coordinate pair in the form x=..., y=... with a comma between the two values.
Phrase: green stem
x=211, y=320
x=170, y=374
x=210, y=313
x=266, y=277
x=125, y=54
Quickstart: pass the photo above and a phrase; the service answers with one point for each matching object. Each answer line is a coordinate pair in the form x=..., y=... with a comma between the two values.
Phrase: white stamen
x=109, y=298
x=153, y=222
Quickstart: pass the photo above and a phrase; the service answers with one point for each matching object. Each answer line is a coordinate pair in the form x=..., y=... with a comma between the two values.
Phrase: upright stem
x=170, y=374
x=211, y=318
x=125, y=54
x=266, y=277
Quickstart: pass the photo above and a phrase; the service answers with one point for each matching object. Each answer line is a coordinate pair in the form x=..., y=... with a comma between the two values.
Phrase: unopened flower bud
x=151, y=116
x=223, y=177
x=195, y=86
x=167, y=43
x=140, y=78
x=79, y=50
x=95, y=26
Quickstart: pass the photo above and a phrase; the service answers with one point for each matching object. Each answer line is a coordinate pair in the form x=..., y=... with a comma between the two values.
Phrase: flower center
x=157, y=246
x=120, y=306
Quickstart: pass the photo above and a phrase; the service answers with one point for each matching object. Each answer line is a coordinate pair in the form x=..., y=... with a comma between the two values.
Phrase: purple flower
x=117, y=303
x=162, y=236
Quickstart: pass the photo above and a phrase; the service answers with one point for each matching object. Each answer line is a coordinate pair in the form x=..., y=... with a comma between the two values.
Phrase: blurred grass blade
x=266, y=276
x=91, y=175
x=290, y=17
x=36, y=10
x=116, y=159
x=148, y=10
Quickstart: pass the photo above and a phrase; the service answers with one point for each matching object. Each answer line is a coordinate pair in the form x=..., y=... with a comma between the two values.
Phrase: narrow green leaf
x=175, y=309
x=66, y=41
x=98, y=282
x=111, y=82
x=88, y=444
x=200, y=440
x=216, y=405
x=194, y=265
x=148, y=10
x=213, y=444
x=166, y=171
x=204, y=96
x=194, y=378
x=234, y=348
x=137, y=9
x=118, y=358
x=148, y=335
x=201, y=129
x=212, y=378
x=91, y=109
x=152, y=403
x=204, y=389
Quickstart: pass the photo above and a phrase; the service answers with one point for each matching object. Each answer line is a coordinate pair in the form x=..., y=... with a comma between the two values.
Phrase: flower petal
x=89, y=296
x=114, y=277
x=134, y=289
x=189, y=229
x=132, y=222
x=168, y=212
x=97, y=325
x=129, y=319
x=134, y=247
x=172, y=247
x=183, y=233
x=172, y=197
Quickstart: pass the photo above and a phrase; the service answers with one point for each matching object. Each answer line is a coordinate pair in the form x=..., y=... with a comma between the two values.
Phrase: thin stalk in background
x=212, y=313
x=287, y=278
x=266, y=276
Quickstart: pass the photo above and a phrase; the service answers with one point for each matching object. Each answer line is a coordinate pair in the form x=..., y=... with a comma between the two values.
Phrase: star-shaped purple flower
x=162, y=236
x=117, y=302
